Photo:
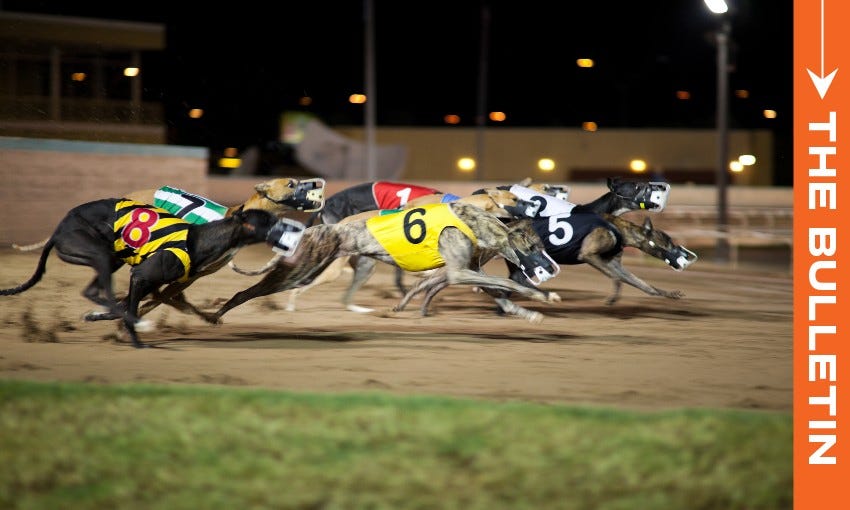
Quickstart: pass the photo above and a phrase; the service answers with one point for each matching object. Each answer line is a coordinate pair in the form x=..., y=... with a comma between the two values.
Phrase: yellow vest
x=141, y=230
x=411, y=236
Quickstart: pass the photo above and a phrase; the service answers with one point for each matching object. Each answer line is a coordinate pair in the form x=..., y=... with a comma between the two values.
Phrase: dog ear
x=263, y=187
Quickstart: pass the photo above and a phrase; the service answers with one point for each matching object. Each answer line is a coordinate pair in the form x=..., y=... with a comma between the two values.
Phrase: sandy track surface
x=727, y=343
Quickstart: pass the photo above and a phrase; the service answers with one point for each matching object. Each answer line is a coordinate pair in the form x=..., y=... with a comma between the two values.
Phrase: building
x=77, y=78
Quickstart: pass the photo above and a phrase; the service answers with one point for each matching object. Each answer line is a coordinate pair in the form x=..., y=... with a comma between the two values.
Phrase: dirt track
x=726, y=344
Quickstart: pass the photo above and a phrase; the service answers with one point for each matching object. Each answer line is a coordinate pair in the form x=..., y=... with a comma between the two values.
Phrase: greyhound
x=276, y=196
x=500, y=203
x=592, y=239
x=455, y=236
x=162, y=248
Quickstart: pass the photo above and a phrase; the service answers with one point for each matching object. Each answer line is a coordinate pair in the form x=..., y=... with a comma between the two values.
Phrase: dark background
x=246, y=62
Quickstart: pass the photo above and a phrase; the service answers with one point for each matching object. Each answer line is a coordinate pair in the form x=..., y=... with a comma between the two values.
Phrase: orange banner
x=821, y=283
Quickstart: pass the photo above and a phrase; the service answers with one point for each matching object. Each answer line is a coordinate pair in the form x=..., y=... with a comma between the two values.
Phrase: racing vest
x=142, y=230
x=563, y=234
x=549, y=205
x=411, y=236
x=392, y=195
x=193, y=208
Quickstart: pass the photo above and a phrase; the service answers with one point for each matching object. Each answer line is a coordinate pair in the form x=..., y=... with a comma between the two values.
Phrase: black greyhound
x=106, y=234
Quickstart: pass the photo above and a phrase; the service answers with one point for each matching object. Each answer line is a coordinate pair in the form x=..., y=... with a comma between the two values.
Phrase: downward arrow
x=821, y=82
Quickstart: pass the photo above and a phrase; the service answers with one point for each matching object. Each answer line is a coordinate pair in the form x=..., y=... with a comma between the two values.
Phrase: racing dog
x=623, y=196
x=587, y=238
x=455, y=236
x=162, y=248
x=500, y=203
x=277, y=196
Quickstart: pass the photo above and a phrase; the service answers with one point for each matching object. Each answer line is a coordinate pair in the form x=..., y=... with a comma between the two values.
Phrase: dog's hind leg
x=426, y=284
x=364, y=268
x=330, y=274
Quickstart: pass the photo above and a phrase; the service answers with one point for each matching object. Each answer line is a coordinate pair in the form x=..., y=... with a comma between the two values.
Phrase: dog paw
x=98, y=315
x=144, y=326
x=553, y=297
x=534, y=317
x=674, y=294
x=358, y=309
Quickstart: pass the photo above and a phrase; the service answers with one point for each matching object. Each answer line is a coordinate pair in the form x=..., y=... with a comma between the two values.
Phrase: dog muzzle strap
x=523, y=208
x=535, y=272
x=680, y=258
x=285, y=235
x=309, y=195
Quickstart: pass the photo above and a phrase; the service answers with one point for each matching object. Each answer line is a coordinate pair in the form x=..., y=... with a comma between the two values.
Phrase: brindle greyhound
x=499, y=202
x=382, y=195
x=277, y=196
x=457, y=236
x=592, y=239
x=162, y=248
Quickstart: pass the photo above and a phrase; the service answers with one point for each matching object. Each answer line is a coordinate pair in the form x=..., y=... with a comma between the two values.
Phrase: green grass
x=74, y=446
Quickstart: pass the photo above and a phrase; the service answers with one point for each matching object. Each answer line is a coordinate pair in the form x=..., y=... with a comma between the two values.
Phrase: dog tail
x=265, y=269
x=36, y=277
x=30, y=247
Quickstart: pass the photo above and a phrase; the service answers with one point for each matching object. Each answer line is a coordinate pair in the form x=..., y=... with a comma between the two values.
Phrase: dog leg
x=511, y=308
x=614, y=269
x=456, y=250
x=332, y=273
x=318, y=248
x=364, y=268
x=425, y=284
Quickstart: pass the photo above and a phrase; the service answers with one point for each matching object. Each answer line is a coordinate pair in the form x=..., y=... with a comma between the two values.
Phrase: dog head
x=660, y=245
x=531, y=256
x=262, y=226
x=650, y=196
x=559, y=191
x=286, y=194
x=504, y=204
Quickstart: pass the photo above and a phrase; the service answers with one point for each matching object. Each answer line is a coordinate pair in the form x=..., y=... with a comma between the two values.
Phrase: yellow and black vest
x=141, y=230
x=411, y=236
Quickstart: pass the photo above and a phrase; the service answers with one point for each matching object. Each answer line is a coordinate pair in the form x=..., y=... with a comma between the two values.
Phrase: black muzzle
x=538, y=266
x=523, y=209
x=309, y=195
x=653, y=197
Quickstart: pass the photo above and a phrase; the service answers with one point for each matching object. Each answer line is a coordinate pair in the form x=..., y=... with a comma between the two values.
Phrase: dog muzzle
x=654, y=197
x=309, y=195
x=523, y=208
x=285, y=235
x=538, y=267
x=559, y=191
x=680, y=258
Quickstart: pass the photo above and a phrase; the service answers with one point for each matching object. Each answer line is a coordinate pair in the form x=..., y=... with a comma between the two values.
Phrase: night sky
x=245, y=63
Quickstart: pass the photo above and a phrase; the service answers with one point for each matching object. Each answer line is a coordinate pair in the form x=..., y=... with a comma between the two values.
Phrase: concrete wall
x=40, y=180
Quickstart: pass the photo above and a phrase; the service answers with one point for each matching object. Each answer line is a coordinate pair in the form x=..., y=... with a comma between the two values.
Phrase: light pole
x=722, y=35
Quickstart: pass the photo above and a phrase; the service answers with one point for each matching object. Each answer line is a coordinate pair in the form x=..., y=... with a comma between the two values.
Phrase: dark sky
x=246, y=62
